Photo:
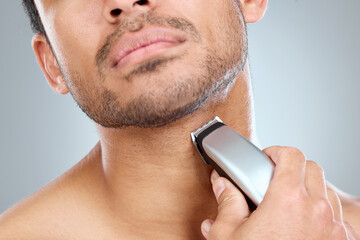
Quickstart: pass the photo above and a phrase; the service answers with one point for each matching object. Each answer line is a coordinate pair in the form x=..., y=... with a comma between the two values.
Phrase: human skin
x=136, y=183
x=297, y=205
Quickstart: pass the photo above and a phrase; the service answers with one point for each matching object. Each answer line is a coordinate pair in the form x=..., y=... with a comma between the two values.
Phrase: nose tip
x=114, y=9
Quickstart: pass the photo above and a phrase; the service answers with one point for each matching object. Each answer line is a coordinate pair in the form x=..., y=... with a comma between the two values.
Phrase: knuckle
x=281, y=186
x=291, y=196
x=227, y=199
x=273, y=149
x=314, y=166
x=273, y=152
x=297, y=152
x=293, y=153
x=298, y=195
x=323, y=210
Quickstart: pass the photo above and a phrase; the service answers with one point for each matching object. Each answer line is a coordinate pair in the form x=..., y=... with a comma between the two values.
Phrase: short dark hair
x=35, y=20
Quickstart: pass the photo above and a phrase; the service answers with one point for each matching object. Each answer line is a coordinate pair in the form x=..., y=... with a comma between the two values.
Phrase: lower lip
x=145, y=53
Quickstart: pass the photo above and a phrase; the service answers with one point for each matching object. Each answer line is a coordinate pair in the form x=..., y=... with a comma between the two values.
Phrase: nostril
x=142, y=2
x=116, y=12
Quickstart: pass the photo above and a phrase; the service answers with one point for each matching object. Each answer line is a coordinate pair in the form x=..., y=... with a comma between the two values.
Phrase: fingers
x=315, y=180
x=315, y=185
x=352, y=233
x=232, y=209
x=206, y=226
x=335, y=204
x=295, y=181
x=290, y=165
x=292, y=169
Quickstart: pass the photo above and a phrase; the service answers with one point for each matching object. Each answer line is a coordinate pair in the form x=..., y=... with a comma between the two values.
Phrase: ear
x=49, y=64
x=253, y=10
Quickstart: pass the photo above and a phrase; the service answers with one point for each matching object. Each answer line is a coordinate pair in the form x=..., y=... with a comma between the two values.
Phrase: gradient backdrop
x=304, y=59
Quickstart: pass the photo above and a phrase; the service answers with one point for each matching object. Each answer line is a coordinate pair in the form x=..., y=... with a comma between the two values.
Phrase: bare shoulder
x=55, y=211
x=33, y=215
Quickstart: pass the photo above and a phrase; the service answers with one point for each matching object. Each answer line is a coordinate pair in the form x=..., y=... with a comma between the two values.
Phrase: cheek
x=224, y=28
x=209, y=16
x=76, y=36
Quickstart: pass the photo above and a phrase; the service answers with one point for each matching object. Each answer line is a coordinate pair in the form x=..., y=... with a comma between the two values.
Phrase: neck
x=156, y=177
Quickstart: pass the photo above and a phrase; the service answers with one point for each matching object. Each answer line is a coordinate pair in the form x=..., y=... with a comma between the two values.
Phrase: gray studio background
x=304, y=58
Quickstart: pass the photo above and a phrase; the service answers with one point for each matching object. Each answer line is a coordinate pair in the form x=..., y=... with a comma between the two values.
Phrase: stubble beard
x=218, y=71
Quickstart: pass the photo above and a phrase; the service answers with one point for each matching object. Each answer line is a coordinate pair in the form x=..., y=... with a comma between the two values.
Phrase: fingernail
x=207, y=226
x=219, y=188
x=214, y=175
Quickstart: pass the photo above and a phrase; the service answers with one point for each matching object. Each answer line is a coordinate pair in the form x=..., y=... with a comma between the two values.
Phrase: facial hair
x=218, y=71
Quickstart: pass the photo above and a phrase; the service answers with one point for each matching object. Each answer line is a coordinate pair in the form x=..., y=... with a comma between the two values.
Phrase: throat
x=171, y=198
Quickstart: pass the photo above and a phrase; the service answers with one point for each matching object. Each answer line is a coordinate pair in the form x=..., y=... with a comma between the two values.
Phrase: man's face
x=153, y=63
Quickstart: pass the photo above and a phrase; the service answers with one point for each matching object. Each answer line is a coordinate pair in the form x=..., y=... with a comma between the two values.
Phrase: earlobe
x=253, y=10
x=48, y=64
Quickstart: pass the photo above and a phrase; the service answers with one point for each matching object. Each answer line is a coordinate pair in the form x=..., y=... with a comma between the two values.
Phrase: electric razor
x=236, y=159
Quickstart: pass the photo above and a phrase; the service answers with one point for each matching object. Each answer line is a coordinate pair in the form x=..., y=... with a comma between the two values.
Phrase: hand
x=296, y=206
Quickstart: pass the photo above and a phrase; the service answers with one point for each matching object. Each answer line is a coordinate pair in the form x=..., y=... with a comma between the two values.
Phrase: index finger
x=290, y=164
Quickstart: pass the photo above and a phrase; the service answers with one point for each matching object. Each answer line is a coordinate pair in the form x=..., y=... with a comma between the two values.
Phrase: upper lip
x=130, y=42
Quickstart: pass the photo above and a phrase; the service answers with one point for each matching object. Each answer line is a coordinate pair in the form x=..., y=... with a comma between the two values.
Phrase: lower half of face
x=170, y=85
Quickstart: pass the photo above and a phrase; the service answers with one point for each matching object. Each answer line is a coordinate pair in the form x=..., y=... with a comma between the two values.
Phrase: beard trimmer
x=236, y=159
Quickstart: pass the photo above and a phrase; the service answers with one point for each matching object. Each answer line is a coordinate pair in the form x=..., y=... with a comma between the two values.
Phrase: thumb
x=232, y=208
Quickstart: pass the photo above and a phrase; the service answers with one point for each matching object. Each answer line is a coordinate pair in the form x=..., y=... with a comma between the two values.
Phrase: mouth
x=134, y=48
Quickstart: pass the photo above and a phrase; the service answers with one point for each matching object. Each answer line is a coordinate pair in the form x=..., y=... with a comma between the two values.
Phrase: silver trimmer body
x=235, y=158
